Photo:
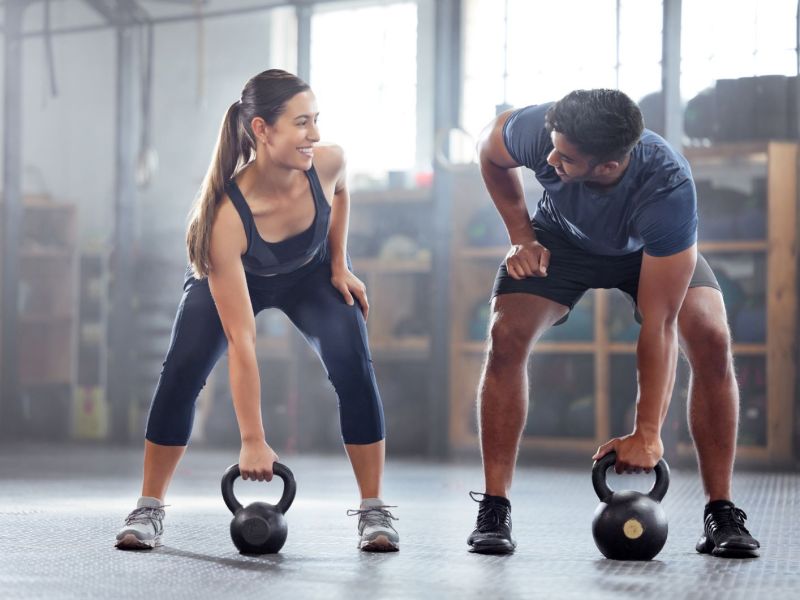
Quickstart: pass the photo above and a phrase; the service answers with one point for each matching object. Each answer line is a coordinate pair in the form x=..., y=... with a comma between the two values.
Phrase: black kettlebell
x=629, y=525
x=259, y=528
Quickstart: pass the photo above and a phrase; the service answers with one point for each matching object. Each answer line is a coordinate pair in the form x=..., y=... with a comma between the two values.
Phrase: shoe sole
x=504, y=548
x=379, y=544
x=709, y=548
x=734, y=553
x=131, y=542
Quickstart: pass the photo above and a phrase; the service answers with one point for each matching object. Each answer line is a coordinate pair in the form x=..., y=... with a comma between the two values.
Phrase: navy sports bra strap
x=235, y=194
x=321, y=229
x=317, y=191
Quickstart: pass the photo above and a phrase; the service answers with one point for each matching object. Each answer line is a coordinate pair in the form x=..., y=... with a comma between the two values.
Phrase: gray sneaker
x=375, y=529
x=143, y=527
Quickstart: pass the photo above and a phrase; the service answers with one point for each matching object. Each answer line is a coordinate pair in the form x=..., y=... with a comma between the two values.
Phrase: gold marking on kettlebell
x=632, y=529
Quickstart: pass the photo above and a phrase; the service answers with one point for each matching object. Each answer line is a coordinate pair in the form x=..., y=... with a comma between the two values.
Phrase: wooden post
x=782, y=298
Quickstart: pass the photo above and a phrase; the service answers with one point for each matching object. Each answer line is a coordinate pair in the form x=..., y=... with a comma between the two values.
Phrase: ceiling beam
x=119, y=12
x=105, y=10
x=193, y=16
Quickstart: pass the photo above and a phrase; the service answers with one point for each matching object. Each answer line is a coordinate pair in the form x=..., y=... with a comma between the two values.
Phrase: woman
x=263, y=234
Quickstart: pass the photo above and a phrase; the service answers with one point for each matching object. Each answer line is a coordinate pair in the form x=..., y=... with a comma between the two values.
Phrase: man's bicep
x=663, y=282
x=667, y=221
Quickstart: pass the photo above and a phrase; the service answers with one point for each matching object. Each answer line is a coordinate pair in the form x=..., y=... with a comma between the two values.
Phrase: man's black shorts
x=572, y=271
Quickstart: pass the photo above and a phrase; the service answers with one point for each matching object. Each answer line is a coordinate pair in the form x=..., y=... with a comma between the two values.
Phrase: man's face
x=570, y=165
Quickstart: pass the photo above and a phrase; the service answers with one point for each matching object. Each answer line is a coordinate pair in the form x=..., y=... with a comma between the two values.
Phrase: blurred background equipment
x=111, y=110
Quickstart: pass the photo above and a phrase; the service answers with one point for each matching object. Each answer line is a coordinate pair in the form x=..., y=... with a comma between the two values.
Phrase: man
x=618, y=211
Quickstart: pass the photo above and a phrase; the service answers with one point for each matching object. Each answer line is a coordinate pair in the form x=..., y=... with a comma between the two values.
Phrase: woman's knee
x=361, y=417
x=182, y=378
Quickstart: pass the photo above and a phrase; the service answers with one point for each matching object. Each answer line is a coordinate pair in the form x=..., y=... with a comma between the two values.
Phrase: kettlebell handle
x=600, y=468
x=279, y=469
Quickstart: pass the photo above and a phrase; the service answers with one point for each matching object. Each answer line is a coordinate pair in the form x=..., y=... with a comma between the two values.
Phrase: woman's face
x=290, y=140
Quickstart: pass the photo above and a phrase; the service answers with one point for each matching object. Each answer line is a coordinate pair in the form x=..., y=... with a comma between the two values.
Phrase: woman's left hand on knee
x=351, y=288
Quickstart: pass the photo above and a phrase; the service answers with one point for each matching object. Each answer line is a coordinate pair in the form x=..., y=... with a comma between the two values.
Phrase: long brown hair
x=265, y=96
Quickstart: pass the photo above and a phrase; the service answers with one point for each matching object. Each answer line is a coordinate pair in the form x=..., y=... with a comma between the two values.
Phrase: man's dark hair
x=604, y=124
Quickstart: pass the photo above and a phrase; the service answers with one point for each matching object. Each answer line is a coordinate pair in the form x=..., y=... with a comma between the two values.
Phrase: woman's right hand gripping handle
x=256, y=459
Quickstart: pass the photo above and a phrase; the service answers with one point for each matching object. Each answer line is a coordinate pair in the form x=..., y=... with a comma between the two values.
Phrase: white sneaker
x=143, y=527
x=375, y=530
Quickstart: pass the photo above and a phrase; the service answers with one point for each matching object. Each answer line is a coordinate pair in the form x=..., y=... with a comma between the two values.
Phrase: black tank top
x=277, y=258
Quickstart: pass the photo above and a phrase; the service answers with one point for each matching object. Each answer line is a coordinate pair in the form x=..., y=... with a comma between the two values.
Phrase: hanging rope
x=48, y=50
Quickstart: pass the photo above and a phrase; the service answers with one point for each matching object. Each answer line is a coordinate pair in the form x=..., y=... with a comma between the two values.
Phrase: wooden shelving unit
x=384, y=266
x=396, y=279
x=769, y=169
x=48, y=315
x=600, y=349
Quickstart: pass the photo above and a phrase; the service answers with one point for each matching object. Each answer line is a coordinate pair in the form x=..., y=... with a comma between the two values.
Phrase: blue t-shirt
x=654, y=205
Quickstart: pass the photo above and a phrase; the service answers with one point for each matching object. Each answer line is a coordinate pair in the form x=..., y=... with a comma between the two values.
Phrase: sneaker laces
x=729, y=518
x=374, y=515
x=491, y=514
x=146, y=515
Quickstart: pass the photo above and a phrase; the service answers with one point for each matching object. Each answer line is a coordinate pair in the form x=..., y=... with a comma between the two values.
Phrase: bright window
x=364, y=73
x=724, y=39
x=554, y=48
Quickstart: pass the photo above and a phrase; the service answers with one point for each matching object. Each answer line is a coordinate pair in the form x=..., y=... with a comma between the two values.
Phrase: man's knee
x=708, y=347
x=507, y=343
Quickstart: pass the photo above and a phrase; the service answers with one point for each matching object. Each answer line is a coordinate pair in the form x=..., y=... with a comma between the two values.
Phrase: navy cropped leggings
x=336, y=331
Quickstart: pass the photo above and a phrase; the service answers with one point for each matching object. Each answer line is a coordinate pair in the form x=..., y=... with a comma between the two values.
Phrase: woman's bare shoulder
x=329, y=160
x=228, y=230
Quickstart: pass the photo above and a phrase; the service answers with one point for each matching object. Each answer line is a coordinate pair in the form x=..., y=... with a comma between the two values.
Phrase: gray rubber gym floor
x=61, y=506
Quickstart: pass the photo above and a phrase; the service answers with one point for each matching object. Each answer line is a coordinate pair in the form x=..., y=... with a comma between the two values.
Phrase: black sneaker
x=724, y=532
x=492, y=533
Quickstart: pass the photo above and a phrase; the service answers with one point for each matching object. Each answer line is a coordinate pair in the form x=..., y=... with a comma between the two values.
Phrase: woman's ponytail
x=228, y=153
